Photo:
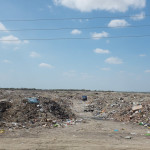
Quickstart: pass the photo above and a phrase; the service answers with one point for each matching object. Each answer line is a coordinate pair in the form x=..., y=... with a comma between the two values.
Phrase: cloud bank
x=113, y=60
x=107, y=5
x=118, y=23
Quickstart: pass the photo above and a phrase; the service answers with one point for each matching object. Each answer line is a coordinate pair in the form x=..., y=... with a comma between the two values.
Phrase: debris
x=33, y=100
x=26, y=113
x=133, y=133
x=4, y=104
x=103, y=115
x=84, y=98
x=141, y=123
x=70, y=122
x=147, y=134
x=27, y=108
x=121, y=98
x=134, y=108
x=79, y=120
x=56, y=125
x=89, y=108
x=2, y=131
x=128, y=137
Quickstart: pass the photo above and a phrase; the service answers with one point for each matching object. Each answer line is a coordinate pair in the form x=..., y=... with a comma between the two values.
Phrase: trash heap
x=33, y=112
x=123, y=109
x=137, y=113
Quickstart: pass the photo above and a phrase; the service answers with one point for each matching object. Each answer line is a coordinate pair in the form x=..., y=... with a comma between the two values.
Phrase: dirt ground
x=92, y=134
x=89, y=134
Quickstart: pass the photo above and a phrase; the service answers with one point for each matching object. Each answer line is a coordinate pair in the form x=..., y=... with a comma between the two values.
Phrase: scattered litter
x=134, y=108
x=89, y=108
x=128, y=137
x=25, y=108
x=133, y=133
x=141, y=123
x=84, y=98
x=2, y=131
x=147, y=134
x=33, y=100
x=79, y=120
x=56, y=125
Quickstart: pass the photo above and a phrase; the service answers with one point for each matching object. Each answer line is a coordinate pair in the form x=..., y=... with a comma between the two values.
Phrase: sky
x=75, y=44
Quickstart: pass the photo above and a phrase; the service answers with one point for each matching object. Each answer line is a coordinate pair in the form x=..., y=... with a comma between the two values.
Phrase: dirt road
x=92, y=134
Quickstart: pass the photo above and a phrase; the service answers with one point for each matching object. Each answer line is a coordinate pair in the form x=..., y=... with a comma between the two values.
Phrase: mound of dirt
x=22, y=113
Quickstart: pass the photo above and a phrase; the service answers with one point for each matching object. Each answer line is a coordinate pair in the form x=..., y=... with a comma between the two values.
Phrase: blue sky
x=98, y=63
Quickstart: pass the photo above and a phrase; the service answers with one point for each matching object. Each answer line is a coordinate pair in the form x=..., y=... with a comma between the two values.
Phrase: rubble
x=4, y=105
x=31, y=108
x=32, y=113
x=129, y=107
x=89, y=108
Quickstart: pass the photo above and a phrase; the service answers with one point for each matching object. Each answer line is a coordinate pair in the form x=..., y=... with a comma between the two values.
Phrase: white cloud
x=34, y=55
x=70, y=74
x=25, y=41
x=113, y=60
x=6, y=61
x=140, y=16
x=142, y=55
x=101, y=51
x=118, y=23
x=76, y=31
x=107, y=5
x=105, y=69
x=45, y=65
x=97, y=36
x=2, y=27
x=10, y=39
x=147, y=71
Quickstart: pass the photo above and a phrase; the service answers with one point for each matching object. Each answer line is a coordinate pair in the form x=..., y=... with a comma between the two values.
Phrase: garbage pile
x=126, y=109
x=32, y=112
x=32, y=108
x=137, y=113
